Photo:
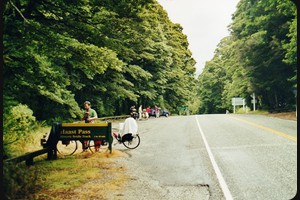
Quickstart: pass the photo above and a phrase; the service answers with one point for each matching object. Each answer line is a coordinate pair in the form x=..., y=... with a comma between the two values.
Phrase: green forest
x=58, y=54
x=259, y=56
x=119, y=53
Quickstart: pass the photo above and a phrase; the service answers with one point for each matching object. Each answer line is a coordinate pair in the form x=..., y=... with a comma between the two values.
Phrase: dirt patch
x=284, y=115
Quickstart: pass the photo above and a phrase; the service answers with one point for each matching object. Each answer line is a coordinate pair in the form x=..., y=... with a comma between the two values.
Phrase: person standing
x=140, y=112
x=156, y=111
x=89, y=116
x=148, y=110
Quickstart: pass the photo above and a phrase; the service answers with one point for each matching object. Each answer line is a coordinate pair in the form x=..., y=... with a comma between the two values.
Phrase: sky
x=205, y=22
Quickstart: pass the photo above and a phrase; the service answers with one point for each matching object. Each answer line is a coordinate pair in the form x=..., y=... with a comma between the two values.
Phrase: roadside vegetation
x=259, y=56
x=79, y=175
x=114, y=54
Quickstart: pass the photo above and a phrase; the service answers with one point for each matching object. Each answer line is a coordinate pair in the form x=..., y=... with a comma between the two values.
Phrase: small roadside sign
x=237, y=101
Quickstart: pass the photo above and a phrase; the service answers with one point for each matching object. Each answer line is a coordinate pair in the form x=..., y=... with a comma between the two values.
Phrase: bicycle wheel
x=66, y=148
x=131, y=142
x=91, y=145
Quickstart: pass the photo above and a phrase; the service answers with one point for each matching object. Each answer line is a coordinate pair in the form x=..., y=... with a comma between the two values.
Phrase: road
x=214, y=157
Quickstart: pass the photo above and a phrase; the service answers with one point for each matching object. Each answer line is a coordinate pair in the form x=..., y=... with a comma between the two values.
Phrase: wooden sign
x=88, y=131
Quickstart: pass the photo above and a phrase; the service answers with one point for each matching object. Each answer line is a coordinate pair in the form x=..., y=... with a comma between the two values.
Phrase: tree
x=258, y=56
x=113, y=53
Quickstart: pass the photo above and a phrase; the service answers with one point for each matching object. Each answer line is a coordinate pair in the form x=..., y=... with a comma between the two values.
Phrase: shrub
x=18, y=122
x=20, y=181
x=243, y=110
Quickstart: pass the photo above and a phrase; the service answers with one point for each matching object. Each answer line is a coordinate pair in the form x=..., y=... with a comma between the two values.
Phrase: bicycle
x=69, y=147
x=129, y=140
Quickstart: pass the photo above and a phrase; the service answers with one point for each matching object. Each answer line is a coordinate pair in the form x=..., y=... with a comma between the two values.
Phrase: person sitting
x=128, y=128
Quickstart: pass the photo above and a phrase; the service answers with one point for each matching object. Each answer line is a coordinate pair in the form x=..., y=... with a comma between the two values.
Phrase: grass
x=61, y=174
x=248, y=111
x=82, y=175
x=258, y=112
x=283, y=115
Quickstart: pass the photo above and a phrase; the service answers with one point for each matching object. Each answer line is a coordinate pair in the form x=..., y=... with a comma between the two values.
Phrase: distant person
x=140, y=112
x=156, y=111
x=89, y=116
x=145, y=114
x=132, y=109
x=133, y=112
x=148, y=110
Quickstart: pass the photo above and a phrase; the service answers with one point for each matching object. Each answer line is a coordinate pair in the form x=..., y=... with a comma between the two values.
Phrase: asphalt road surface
x=242, y=157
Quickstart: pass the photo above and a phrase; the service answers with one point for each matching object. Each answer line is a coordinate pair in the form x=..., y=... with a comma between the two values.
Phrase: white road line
x=222, y=182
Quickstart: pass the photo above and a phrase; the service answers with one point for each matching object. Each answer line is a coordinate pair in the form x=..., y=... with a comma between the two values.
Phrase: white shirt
x=129, y=126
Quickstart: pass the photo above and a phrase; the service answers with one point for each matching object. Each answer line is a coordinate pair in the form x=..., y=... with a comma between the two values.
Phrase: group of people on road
x=144, y=113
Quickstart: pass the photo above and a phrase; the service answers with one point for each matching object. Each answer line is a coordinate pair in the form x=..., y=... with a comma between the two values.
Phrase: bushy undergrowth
x=21, y=134
x=248, y=111
x=18, y=124
x=20, y=181
x=242, y=110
